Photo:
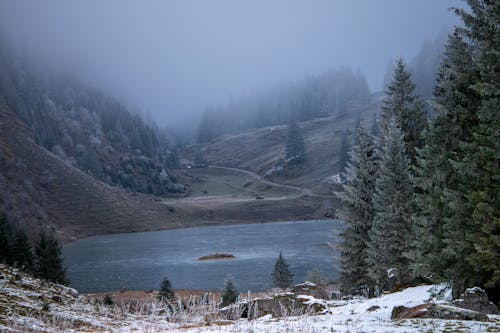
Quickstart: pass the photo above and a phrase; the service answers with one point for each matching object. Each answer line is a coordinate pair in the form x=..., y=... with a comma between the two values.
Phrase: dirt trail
x=302, y=190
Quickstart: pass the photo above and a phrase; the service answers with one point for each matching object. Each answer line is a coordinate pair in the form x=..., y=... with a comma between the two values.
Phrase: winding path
x=303, y=190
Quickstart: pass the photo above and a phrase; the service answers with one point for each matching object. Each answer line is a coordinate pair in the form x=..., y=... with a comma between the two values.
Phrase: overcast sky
x=172, y=58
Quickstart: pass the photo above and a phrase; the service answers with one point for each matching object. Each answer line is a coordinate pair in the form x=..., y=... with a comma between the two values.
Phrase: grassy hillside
x=260, y=149
x=37, y=189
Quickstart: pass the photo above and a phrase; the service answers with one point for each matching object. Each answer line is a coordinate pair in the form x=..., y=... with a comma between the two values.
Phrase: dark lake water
x=139, y=261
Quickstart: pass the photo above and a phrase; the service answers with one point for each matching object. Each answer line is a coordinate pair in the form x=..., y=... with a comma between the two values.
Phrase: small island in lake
x=217, y=256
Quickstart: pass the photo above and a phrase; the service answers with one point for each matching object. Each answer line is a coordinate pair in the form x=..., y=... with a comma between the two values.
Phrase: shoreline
x=202, y=225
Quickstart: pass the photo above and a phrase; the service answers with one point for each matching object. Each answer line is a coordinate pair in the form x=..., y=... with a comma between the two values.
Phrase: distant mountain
x=315, y=96
x=89, y=130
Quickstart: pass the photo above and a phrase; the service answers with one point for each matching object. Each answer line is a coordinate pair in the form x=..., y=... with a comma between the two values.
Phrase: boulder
x=279, y=305
x=475, y=299
x=436, y=311
x=373, y=308
x=311, y=289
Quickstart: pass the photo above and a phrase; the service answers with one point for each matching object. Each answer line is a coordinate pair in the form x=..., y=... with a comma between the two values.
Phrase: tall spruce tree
x=49, y=263
x=402, y=104
x=282, y=277
x=230, y=294
x=393, y=205
x=467, y=194
x=295, y=149
x=479, y=166
x=436, y=179
x=357, y=212
x=22, y=251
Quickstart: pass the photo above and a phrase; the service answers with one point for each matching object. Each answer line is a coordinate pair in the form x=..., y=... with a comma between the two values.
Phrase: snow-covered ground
x=353, y=316
x=30, y=305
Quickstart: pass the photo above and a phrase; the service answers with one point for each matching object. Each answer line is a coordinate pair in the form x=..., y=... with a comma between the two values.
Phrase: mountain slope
x=260, y=150
x=38, y=188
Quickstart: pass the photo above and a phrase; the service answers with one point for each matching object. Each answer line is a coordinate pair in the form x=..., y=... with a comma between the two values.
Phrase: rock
x=435, y=311
x=286, y=304
x=280, y=305
x=373, y=308
x=311, y=289
x=475, y=299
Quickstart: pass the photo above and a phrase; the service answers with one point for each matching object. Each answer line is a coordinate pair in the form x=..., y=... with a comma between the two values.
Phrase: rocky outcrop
x=279, y=305
x=475, y=299
x=436, y=311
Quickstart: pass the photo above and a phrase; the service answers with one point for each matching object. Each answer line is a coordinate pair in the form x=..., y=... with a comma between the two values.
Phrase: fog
x=171, y=59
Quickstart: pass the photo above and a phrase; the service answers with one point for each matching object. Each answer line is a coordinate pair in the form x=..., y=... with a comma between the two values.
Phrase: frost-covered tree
x=282, y=277
x=405, y=107
x=357, y=212
x=22, y=251
x=459, y=164
x=393, y=204
x=295, y=149
x=49, y=263
x=230, y=294
x=166, y=292
x=436, y=179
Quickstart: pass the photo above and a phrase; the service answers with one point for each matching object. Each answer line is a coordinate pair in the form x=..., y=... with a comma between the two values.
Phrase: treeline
x=421, y=201
x=89, y=130
x=42, y=260
x=315, y=96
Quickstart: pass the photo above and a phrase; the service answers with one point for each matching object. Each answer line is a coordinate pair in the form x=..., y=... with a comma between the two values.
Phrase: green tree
x=230, y=294
x=108, y=300
x=282, y=277
x=481, y=159
x=49, y=263
x=295, y=150
x=357, y=211
x=393, y=205
x=22, y=251
x=462, y=206
x=436, y=179
x=166, y=292
x=405, y=107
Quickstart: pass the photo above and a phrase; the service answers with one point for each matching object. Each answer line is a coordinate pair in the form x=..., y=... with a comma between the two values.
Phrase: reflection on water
x=139, y=261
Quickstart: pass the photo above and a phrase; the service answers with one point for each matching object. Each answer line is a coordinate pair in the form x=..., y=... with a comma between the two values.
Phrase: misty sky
x=172, y=58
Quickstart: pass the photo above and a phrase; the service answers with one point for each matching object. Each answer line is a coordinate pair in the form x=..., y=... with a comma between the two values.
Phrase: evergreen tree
x=436, y=179
x=295, y=150
x=5, y=238
x=282, y=277
x=357, y=212
x=230, y=294
x=108, y=300
x=405, y=107
x=49, y=263
x=166, y=292
x=375, y=131
x=479, y=166
x=463, y=205
x=393, y=204
x=343, y=153
x=22, y=251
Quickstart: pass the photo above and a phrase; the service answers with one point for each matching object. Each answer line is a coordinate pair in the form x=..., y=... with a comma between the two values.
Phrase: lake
x=139, y=261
